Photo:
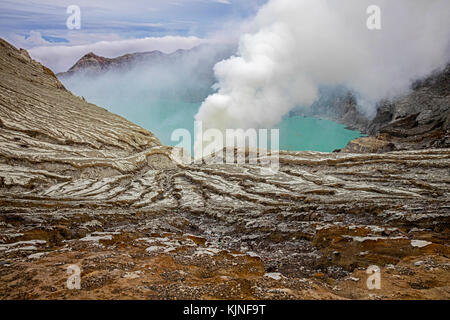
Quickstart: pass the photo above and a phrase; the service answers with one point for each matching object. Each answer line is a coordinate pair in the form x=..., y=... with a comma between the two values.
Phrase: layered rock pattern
x=82, y=186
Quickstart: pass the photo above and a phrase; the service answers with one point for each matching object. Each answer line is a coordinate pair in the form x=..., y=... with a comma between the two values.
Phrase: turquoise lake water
x=162, y=117
x=311, y=134
x=296, y=133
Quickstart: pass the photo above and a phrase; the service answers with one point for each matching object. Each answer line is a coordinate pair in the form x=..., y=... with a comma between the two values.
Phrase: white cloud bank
x=60, y=58
x=297, y=45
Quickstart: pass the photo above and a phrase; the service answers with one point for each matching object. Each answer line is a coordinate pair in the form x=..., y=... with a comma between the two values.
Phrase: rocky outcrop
x=417, y=120
x=81, y=186
x=369, y=145
x=336, y=104
x=428, y=102
x=420, y=119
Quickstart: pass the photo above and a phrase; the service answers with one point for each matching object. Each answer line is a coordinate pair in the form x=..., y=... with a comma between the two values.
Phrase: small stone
x=274, y=275
x=319, y=275
x=153, y=249
x=390, y=267
x=353, y=279
x=36, y=255
x=420, y=243
x=133, y=275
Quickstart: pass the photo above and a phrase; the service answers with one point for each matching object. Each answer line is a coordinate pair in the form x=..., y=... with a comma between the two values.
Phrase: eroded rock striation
x=81, y=186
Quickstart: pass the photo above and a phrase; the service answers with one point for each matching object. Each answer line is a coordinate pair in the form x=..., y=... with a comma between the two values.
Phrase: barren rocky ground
x=81, y=186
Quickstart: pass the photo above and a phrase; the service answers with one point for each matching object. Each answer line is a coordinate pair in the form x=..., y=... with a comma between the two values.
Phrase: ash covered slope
x=82, y=186
x=46, y=127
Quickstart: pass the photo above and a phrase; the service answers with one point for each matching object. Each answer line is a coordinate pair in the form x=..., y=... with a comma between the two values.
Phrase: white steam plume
x=294, y=46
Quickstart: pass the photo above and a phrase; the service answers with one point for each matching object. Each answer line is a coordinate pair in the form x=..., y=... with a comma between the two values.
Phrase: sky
x=112, y=27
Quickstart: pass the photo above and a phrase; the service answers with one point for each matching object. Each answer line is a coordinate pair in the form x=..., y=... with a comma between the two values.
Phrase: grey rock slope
x=419, y=119
x=79, y=185
x=337, y=104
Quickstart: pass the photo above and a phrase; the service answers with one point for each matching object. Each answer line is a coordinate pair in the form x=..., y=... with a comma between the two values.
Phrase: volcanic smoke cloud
x=294, y=46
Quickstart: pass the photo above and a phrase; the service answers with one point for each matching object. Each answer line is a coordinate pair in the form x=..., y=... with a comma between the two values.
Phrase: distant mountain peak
x=90, y=54
x=91, y=61
x=94, y=64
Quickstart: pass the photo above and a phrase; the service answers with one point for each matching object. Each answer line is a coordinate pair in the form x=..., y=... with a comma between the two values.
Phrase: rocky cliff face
x=337, y=104
x=419, y=119
x=81, y=186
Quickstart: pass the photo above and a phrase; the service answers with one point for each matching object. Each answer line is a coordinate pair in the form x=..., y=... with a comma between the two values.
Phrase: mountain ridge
x=94, y=64
x=184, y=75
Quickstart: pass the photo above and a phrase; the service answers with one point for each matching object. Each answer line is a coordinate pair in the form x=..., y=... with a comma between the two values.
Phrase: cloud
x=293, y=47
x=221, y=1
x=32, y=40
x=132, y=19
x=60, y=58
